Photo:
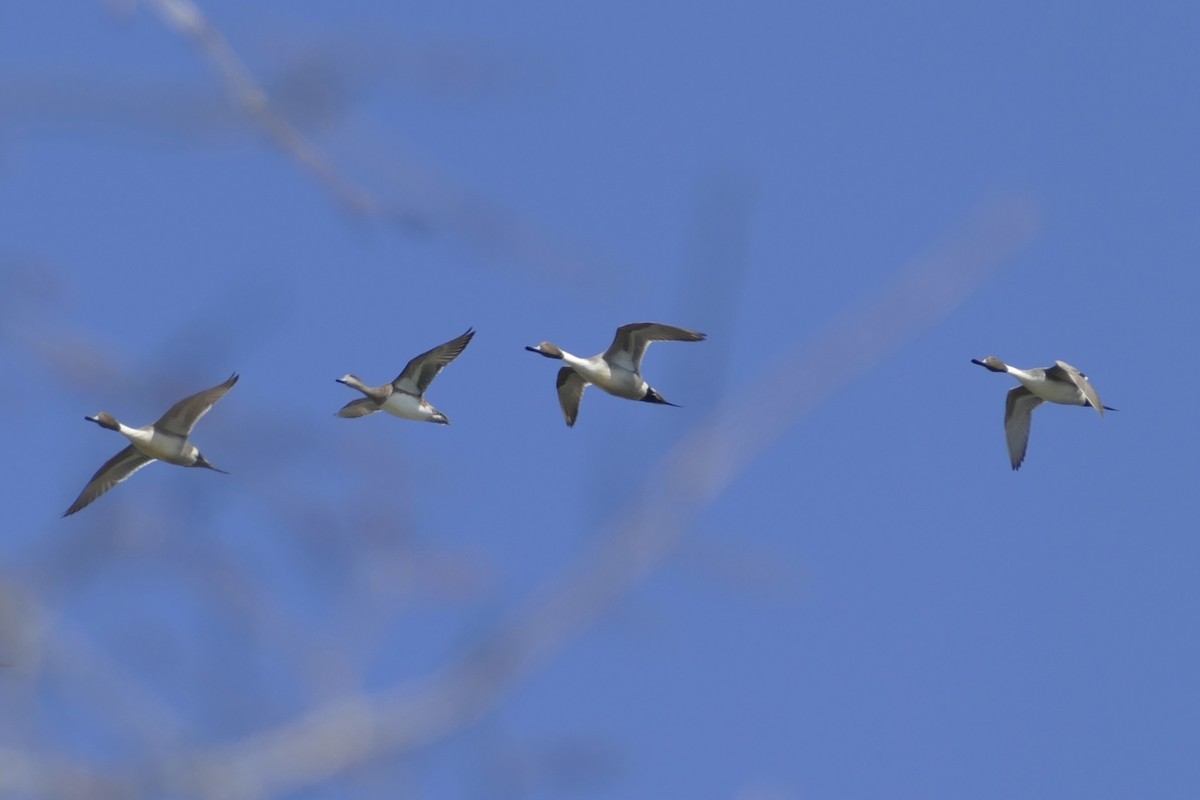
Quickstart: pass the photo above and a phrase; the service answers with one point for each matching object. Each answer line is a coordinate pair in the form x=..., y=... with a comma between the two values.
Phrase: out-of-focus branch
x=692, y=474
x=476, y=219
x=24, y=774
x=346, y=733
x=187, y=19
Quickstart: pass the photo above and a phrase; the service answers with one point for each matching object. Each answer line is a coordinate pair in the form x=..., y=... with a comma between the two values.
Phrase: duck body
x=616, y=379
x=159, y=445
x=165, y=440
x=618, y=370
x=404, y=397
x=407, y=406
x=1062, y=384
x=1043, y=384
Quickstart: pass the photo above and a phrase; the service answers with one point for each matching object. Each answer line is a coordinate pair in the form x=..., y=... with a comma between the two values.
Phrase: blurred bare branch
x=356, y=729
x=366, y=553
x=186, y=18
x=436, y=203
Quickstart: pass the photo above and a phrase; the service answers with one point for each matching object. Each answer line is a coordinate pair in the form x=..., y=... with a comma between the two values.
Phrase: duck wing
x=570, y=392
x=358, y=408
x=630, y=343
x=1064, y=371
x=183, y=416
x=420, y=372
x=115, y=470
x=1018, y=415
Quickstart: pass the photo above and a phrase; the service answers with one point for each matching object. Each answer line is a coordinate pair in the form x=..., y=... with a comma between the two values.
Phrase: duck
x=405, y=396
x=165, y=440
x=1061, y=383
x=618, y=370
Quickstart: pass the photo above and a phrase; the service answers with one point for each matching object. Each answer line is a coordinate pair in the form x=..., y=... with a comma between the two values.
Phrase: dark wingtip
x=1110, y=408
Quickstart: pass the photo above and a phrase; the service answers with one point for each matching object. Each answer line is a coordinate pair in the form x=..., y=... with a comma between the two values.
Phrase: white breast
x=406, y=406
x=1065, y=393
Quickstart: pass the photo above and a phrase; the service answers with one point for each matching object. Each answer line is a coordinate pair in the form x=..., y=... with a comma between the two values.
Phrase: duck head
x=992, y=363
x=546, y=349
x=105, y=420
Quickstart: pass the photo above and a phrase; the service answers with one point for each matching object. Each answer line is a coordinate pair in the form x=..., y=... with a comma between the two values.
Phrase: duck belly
x=623, y=384
x=166, y=447
x=406, y=406
x=1066, y=394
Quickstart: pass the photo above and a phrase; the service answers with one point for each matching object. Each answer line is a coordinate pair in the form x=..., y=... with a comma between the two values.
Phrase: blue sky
x=849, y=594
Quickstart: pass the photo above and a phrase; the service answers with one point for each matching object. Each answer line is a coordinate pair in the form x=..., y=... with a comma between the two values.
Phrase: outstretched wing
x=115, y=470
x=570, y=393
x=1018, y=416
x=421, y=371
x=183, y=416
x=630, y=343
x=358, y=408
x=1063, y=370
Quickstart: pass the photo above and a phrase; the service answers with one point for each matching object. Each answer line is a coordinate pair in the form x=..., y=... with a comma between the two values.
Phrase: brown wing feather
x=1018, y=418
x=1062, y=369
x=115, y=470
x=358, y=408
x=420, y=371
x=183, y=416
x=570, y=393
x=634, y=338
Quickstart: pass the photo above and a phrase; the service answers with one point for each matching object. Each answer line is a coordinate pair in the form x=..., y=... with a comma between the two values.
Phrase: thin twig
x=186, y=18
